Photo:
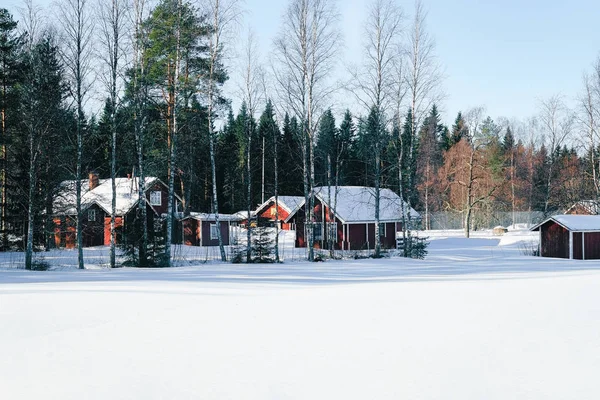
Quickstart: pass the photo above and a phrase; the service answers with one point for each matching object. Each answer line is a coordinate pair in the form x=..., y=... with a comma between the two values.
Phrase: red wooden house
x=345, y=216
x=200, y=229
x=570, y=236
x=96, y=205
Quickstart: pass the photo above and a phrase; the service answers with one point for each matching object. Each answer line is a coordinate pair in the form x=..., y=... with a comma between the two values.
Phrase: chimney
x=93, y=181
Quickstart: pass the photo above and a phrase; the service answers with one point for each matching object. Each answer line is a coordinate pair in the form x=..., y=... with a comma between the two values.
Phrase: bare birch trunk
x=173, y=143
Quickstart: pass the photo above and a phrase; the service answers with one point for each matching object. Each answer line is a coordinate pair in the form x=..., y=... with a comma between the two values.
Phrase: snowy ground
x=475, y=320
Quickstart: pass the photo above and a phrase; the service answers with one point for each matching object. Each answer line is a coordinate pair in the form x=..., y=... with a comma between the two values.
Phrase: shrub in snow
x=263, y=245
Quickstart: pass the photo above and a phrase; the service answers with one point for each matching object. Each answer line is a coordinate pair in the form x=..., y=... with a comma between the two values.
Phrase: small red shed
x=576, y=237
x=200, y=229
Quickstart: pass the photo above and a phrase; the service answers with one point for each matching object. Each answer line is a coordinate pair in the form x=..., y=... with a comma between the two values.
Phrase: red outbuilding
x=570, y=236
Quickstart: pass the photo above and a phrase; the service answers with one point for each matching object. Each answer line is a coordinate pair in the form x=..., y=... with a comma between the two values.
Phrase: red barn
x=345, y=218
x=96, y=205
x=570, y=236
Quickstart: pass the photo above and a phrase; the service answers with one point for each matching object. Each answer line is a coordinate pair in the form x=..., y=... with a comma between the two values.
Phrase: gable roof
x=591, y=206
x=64, y=203
x=574, y=223
x=356, y=204
x=289, y=203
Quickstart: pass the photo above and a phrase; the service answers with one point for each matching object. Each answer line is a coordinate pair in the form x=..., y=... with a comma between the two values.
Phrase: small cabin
x=575, y=237
x=200, y=229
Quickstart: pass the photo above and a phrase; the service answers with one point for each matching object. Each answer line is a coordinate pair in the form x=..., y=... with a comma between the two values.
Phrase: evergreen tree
x=326, y=149
x=428, y=161
x=10, y=76
x=267, y=130
x=290, y=158
x=459, y=131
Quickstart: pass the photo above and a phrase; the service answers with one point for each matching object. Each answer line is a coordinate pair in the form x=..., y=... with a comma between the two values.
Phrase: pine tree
x=459, y=131
x=10, y=77
x=290, y=158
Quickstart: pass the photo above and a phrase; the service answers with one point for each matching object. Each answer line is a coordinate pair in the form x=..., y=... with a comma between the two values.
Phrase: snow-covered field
x=475, y=320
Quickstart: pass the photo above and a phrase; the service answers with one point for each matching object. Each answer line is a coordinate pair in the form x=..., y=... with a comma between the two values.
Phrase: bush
x=40, y=265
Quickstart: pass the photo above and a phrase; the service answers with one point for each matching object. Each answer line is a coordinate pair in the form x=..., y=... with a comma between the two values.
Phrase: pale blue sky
x=505, y=55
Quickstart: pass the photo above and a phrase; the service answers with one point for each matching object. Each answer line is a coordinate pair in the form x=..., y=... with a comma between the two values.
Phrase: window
x=332, y=231
x=155, y=198
x=317, y=231
x=214, y=232
x=381, y=229
x=91, y=215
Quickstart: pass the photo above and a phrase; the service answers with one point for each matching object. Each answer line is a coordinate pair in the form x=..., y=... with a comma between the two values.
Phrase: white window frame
x=332, y=231
x=214, y=232
x=92, y=215
x=153, y=199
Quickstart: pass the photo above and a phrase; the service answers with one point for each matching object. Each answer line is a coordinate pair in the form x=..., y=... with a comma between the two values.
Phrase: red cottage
x=346, y=216
x=570, y=236
x=96, y=205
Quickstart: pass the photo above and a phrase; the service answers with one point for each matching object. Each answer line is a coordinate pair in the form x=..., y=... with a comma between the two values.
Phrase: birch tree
x=222, y=16
x=111, y=16
x=305, y=53
x=252, y=93
x=77, y=25
x=139, y=96
x=589, y=117
x=373, y=84
x=557, y=125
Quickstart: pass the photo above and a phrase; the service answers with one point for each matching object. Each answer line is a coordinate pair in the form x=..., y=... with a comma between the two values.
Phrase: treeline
x=160, y=69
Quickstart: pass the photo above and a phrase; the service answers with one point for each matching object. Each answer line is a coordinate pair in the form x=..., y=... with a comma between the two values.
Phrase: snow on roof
x=64, y=202
x=591, y=206
x=212, y=217
x=357, y=204
x=290, y=203
x=574, y=223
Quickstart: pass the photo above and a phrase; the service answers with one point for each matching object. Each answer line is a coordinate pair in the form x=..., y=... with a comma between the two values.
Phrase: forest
x=160, y=69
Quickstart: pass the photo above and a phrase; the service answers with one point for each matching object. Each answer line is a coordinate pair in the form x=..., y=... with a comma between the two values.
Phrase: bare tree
x=422, y=80
x=557, y=125
x=222, y=16
x=77, y=30
x=373, y=85
x=252, y=91
x=111, y=16
x=305, y=51
x=32, y=20
x=589, y=107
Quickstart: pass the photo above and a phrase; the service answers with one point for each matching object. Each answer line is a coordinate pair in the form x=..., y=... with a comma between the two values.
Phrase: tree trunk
x=248, y=193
